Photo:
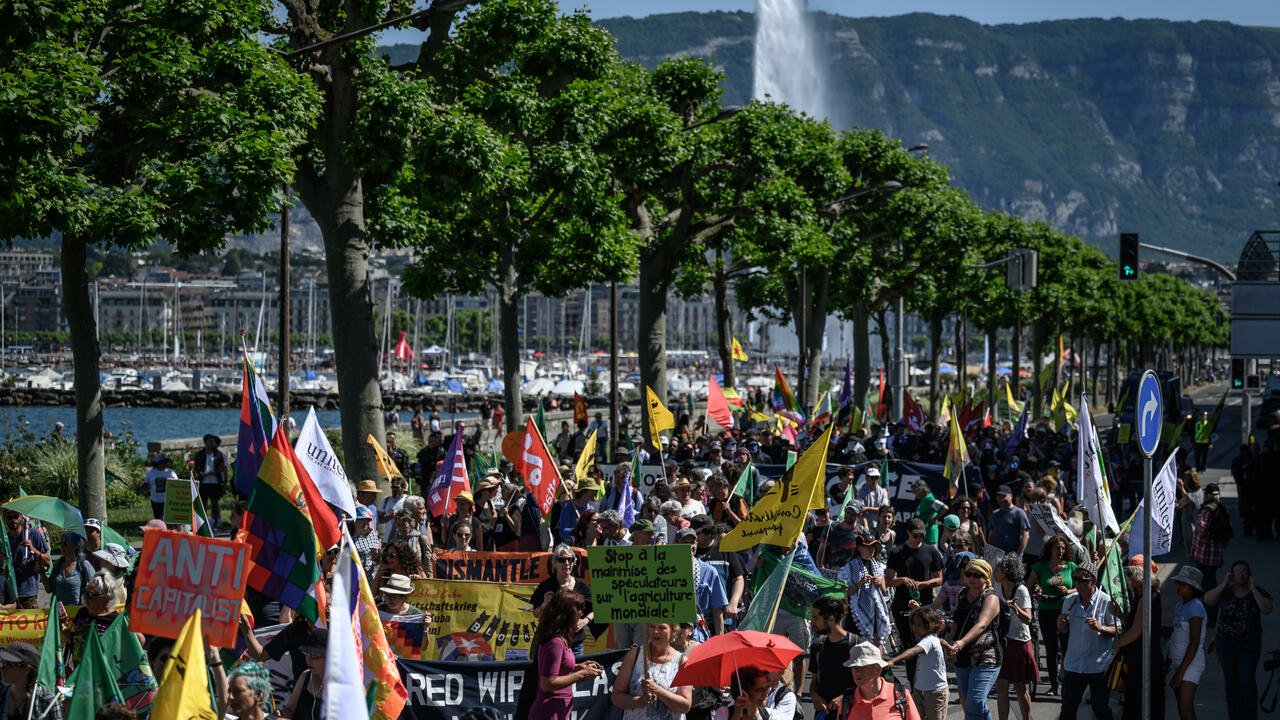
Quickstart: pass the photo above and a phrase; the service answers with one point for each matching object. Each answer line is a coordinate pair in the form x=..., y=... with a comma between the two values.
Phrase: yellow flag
x=1015, y=407
x=386, y=466
x=778, y=517
x=587, y=457
x=738, y=353
x=944, y=412
x=660, y=418
x=184, y=688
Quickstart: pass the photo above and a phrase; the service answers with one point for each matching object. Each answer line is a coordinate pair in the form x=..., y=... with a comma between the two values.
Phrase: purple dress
x=554, y=658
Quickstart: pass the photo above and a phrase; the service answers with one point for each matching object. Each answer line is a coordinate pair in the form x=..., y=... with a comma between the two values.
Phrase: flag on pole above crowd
x=784, y=401
x=912, y=414
x=321, y=464
x=1015, y=407
x=387, y=467
x=738, y=353
x=660, y=418
x=538, y=468
x=882, y=409
x=822, y=410
x=93, y=683
x=257, y=427
x=1091, y=483
x=1217, y=411
x=1019, y=432
x=184, y=686
x=281, y=534
x=587, y=457
x=344, y=673
x=846, y=385
x=778, y=517
x=451, y=480
x=381, y=691
x=718, y=406
x=1164, y=497
x=957, y=458
x=579, y=409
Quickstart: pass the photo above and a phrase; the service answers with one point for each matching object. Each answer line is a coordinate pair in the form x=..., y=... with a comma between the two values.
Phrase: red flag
x=402, y=350
x=537, y=468
x=882, y=410
x=450, y=479
x=718, y=405
x=579, y=409
x=322, y=517
x=972, y=422
x=912, y=414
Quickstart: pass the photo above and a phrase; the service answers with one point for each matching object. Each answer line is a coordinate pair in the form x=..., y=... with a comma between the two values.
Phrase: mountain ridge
x=1164, y=128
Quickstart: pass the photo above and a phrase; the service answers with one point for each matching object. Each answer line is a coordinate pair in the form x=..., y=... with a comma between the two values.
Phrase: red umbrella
x=713, y=663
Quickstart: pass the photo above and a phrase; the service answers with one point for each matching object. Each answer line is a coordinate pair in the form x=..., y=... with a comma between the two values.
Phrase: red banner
x=179, y=573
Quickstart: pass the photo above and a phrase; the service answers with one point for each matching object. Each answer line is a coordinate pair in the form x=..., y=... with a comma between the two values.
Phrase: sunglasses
x=566, y=560
x=977, y=575
x=917, y=534
x=462, y=535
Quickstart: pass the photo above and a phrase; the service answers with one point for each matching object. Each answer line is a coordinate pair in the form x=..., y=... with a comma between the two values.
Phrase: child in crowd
x=929, y=686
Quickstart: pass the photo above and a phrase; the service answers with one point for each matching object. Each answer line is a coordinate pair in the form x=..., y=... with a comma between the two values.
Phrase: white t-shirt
x=155, y=480
x=693, y=507
x=931, y=665
x=1018, y=630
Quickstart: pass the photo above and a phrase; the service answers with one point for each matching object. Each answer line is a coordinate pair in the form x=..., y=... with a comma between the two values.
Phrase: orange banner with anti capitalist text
x=520, y=568
x=180, y=573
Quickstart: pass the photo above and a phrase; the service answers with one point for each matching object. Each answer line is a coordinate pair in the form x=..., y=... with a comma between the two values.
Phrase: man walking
x=1202, y=440
x=915, y=569
x=1088, y=617
x=1010, y=527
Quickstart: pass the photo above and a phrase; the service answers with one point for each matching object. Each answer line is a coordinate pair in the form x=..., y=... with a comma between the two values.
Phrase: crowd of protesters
x=965, y=582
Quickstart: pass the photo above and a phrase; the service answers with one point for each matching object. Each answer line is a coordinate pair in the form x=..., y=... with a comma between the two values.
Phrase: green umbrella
x=52, y=510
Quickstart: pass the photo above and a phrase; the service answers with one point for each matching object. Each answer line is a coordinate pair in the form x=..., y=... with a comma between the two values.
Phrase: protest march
x=836, y=561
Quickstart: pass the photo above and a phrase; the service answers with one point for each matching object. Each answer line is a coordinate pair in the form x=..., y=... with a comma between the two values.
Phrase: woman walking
x=557, y=670
x=562, y=578
x=643, y=689
x=974, y=646
x=1186, y=645
x=1051, y=581
x=1019, y=661
x=1129, y=647
x=1241, y=605
x=249, y=692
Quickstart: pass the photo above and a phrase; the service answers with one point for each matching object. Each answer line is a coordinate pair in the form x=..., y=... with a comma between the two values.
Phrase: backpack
x=799, y=712
x=1220, y=524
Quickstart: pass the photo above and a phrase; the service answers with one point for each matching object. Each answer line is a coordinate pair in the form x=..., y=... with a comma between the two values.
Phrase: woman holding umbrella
x=557, y=669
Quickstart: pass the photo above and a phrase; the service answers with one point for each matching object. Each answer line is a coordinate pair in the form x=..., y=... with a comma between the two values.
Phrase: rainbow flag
x=284, y=546
x=784, y=401
x=406, y=634
x=386, y=694
x=257, y=426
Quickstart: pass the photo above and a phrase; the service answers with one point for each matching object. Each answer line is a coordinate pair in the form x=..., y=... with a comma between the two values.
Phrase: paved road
x=1211, y=699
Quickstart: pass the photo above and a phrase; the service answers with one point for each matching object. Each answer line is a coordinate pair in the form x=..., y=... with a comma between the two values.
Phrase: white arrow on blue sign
x=1148, y=415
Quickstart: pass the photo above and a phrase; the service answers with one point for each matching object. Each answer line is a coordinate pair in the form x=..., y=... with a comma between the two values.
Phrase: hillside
x=1097, y=126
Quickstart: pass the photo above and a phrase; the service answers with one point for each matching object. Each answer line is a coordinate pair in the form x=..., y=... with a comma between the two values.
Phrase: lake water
x=149, y=424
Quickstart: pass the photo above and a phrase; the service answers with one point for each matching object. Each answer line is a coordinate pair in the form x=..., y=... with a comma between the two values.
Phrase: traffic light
x=1237, y=373
x=1128, y=256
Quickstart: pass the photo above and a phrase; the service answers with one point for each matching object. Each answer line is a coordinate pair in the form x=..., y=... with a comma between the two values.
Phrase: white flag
x=1091, y=485
x=344, y=691
x=1164, y=497
x=317, y=456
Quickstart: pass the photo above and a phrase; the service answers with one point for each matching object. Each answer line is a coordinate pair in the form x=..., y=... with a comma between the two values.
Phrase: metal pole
x=1246, y=416
x=282, y=385
x=899, y=360
x=802, y=349
x=1146, y=590
x=613, y=370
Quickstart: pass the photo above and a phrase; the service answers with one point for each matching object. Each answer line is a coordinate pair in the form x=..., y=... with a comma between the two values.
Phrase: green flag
x=136, y=681
x=767, y=596
x=51, y=673
x=94, y=681
x=800, y=587
x=540, y=419
x=791, y=458
x=745, y=488
x=8, y=562
x=1217, y=412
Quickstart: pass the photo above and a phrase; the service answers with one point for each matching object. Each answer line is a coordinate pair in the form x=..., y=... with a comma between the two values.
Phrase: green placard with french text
x=643, y=584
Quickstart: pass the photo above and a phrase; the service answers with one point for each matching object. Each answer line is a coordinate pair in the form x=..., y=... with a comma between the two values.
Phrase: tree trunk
x=335, y=198
x=812, y=306
x=77, y=307
x=724, y=328
x=1037, y=365
x=1015, y=352
x=1097, y=360
x=509, y=328
x=886, y=356
x=993, y=336
x=654, y=280
x=935, y=360
x=961, y=365
x=861, y=355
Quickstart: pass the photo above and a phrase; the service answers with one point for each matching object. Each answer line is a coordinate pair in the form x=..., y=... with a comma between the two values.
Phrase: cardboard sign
x=643, y=584
x=1047, y=517
x=179, y=573
x=177, y=502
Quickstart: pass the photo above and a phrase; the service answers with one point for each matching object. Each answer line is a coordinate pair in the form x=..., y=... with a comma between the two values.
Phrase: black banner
x=446, y=690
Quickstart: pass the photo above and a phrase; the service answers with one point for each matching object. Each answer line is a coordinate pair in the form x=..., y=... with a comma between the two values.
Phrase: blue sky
x=1243, y=12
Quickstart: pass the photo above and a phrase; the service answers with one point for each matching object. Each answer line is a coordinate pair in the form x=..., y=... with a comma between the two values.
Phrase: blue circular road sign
x=1148, y=414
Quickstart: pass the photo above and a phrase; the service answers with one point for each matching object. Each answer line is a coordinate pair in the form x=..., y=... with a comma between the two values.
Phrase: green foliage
x=42, y=465
x=1158, y=126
